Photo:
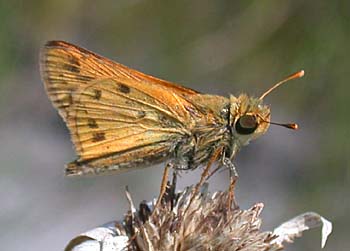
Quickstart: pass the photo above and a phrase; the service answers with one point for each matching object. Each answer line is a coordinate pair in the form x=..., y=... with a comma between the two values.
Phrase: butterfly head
x=250, y=118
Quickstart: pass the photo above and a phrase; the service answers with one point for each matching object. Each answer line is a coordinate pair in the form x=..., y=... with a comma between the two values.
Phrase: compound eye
x=246, y=124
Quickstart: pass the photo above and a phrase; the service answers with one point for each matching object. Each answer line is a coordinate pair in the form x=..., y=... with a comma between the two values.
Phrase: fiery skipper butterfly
x=121, y=119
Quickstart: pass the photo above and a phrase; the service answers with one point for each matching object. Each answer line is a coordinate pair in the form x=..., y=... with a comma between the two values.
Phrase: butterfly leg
x=231, y=202
x=229, y=164
x=233, y=179
x=205, y=174
x=226, y=162
x=163, y=186
x=171, y=193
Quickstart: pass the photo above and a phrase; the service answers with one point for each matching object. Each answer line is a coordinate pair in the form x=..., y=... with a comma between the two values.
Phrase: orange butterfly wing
x=118, y=117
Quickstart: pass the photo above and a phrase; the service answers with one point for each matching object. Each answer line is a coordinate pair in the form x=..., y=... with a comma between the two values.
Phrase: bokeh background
x=219, y=47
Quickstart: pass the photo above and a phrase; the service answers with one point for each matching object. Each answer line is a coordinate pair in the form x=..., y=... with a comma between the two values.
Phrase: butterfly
x=121, y=119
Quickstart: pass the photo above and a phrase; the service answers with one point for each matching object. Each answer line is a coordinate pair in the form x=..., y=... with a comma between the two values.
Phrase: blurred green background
x=219, y=47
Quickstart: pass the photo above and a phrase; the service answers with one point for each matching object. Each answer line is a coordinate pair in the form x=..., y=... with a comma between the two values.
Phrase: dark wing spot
x=74, y=61
x=84, y=78
x=128, y=102
x=98, y=94
x=98, y=136
x=70, y=99
x=141, y=114
x=73, y=66
x=124, y=89
x=164, y=121
x=92, y=123
x=65, y=101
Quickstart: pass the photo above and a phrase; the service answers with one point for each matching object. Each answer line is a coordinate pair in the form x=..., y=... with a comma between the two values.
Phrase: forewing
x=59, y=56
x=111, y=109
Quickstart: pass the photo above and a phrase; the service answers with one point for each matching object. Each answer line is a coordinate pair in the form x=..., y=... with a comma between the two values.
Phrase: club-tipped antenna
x=298, y=74
x=292, y=126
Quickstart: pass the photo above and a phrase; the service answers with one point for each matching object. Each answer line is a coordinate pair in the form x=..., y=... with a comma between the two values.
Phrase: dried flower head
x=206, y=223
x=193, y=220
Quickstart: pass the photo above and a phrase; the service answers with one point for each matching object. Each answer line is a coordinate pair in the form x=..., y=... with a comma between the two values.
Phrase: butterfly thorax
x=210, y=130
x=229, y=125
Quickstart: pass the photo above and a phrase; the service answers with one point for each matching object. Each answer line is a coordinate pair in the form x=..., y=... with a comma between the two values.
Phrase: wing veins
x=109, y=140
x=157, y=108
x=84, y=132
